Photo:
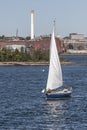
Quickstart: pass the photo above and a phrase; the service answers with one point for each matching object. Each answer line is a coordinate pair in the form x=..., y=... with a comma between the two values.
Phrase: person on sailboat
x=49, y=91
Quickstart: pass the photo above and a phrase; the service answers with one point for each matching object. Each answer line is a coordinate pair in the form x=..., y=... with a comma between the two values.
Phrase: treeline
x=7, y=55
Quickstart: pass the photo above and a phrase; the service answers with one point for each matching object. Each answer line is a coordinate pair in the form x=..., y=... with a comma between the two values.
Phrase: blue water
x=76, y=58
x=24, y=107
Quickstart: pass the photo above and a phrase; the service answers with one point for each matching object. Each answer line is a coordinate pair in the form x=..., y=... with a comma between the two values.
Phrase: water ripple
x=24, y=107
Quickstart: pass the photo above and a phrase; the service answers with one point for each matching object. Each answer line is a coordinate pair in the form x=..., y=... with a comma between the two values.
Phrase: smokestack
x=32, y=24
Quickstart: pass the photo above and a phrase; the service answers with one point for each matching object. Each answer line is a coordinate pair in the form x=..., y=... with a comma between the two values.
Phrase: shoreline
x=73, y=54
x=30, y=63
x=25, y=63
x=22, y=63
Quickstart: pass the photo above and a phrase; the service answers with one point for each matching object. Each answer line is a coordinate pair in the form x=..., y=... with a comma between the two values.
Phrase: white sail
x=55, y=74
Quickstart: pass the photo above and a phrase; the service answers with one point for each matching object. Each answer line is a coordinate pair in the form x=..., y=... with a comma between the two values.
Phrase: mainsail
x=55, y=74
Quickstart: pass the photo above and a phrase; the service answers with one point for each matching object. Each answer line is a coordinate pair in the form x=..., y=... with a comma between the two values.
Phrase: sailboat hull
x=58, y=95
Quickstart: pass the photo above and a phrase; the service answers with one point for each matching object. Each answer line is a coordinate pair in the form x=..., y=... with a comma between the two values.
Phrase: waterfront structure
x=77, y=42
x=32, y=24
x=41, y=43
x=15, y=46
x=75, y=36
x=76, y=51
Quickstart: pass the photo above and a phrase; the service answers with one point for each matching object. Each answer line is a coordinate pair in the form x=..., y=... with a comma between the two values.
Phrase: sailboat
x=55, y=79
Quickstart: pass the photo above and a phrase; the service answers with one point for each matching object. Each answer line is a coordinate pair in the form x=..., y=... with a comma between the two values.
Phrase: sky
x=70, y=17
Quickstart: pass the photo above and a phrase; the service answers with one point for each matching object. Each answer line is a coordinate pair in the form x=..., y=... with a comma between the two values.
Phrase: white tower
x=32, y=24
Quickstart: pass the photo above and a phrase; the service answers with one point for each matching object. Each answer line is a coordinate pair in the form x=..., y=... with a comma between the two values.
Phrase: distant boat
x=55, y=79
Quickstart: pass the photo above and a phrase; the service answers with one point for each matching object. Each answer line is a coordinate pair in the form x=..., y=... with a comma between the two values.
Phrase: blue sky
x=70, y=16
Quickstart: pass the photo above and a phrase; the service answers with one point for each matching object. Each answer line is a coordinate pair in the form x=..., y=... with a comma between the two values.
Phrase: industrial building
x=76, y=43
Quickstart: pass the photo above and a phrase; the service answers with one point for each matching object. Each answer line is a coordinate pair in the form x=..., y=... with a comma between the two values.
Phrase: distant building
x=76, y=51
x=15, y=46
x=75, y=36
x=40, y=43
x=75, y=42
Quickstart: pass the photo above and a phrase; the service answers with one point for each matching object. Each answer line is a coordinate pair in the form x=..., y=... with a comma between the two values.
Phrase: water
x=24, y=107
x=76, y=58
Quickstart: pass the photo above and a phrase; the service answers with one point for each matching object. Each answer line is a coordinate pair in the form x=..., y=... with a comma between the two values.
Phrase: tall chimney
x=32, y=24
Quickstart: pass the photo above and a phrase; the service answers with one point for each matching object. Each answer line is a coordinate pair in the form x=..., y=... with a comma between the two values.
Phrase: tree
x=70, y=46
x=23, y=55
x=80, y=48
